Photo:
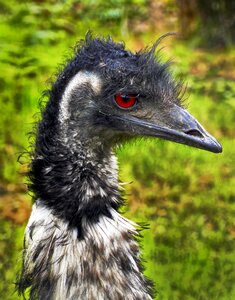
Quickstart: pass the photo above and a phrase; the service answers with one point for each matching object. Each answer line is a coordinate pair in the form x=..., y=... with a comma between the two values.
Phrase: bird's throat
x=77, y=185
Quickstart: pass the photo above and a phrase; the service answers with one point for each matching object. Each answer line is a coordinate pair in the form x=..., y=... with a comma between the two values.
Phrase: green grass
x=189, y=248
x=186, y=195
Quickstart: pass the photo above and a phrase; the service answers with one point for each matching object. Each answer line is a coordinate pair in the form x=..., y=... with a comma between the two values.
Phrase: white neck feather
x=84, y=269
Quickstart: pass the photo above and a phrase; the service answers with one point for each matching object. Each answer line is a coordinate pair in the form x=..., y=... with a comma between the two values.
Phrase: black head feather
x=120, y=71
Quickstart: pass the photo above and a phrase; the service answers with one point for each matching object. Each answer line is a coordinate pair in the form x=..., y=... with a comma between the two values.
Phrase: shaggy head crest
x=112, y=70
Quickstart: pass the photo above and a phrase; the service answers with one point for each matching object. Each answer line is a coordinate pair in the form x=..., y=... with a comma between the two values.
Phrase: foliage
x=211, y=22
x=185, y=194
x=10, y=257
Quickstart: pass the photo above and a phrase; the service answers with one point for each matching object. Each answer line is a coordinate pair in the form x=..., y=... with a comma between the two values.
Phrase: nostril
x=194, y=132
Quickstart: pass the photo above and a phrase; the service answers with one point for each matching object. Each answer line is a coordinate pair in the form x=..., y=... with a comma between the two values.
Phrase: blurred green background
x=186, y=195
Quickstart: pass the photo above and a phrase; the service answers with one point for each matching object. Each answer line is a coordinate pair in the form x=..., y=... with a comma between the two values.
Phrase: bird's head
x=108, y=92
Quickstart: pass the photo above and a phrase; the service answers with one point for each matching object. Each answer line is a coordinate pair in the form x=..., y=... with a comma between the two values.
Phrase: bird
x=77, y=244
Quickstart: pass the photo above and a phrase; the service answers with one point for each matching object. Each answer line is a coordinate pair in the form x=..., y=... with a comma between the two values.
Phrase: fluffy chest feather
x=102, y=265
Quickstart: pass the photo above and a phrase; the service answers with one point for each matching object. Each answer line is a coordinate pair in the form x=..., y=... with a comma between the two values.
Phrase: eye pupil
x=125, y=98
x=125, y=101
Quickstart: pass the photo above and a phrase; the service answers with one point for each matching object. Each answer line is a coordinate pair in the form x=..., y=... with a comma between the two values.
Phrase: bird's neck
x=77, y=182
x=77, y=244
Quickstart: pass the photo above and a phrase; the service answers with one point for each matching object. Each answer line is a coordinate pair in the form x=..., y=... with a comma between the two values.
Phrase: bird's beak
x=176, y=125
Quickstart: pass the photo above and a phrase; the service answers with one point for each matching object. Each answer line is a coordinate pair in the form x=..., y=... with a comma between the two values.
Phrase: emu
x=77, y=245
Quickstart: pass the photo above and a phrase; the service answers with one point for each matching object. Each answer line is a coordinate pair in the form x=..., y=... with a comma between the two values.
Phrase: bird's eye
x=125, y=101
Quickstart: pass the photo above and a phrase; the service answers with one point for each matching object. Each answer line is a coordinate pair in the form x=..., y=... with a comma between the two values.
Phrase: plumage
x=77, y=245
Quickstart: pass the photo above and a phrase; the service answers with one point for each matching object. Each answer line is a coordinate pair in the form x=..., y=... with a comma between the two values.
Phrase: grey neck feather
x=103, y=265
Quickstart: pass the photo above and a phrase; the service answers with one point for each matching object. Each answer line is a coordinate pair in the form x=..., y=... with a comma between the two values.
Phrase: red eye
x=125, y=101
